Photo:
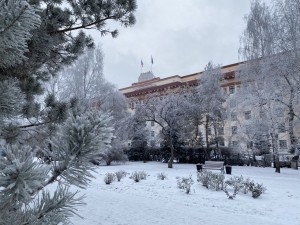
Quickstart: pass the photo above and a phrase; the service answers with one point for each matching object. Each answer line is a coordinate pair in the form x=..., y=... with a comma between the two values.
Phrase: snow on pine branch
x=17, y=20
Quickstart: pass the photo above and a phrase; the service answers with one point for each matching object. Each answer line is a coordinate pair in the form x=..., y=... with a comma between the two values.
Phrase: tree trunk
x=291, y=116
x=275, y=152
x=206, y=137
x=170, y=162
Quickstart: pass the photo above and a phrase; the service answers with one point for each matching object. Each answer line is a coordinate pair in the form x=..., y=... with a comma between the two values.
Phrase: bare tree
x=168, y=113
x=209, y=103
x=271, y=44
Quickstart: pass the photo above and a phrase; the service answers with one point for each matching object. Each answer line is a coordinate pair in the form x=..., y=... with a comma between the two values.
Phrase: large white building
x=148, y=84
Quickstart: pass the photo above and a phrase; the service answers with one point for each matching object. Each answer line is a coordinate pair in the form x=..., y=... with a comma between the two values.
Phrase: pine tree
x=17, y=19
x=80, y=140
x=35, y=42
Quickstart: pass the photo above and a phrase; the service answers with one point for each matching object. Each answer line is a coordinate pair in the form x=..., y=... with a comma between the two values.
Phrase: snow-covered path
x=160, y=202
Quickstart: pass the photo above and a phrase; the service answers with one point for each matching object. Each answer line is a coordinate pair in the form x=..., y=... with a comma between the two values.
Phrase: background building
x=236, y=116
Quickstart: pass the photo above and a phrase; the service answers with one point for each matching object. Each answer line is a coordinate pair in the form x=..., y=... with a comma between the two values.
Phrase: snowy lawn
x=160, y=202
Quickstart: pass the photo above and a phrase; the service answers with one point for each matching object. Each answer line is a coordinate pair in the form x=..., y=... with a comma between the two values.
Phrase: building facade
x=148, y=84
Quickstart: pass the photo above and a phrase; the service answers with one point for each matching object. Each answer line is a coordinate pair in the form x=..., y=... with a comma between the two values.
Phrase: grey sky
x=181, y=35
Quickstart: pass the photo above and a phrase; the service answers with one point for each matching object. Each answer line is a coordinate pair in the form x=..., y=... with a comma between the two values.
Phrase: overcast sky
x=181, y=35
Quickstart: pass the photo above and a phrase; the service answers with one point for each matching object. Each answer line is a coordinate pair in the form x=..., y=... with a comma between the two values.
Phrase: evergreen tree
x=44, y=41
x=36, y=42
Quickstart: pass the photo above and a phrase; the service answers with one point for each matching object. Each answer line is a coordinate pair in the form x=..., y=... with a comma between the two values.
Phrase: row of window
x=282, y=144
x=247, y=116
x=281, y=129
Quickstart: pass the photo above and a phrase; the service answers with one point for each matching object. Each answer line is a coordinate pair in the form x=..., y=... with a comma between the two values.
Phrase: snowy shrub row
x=236, y=184
x=110, y=177
x=185, y=183
x=136, y=176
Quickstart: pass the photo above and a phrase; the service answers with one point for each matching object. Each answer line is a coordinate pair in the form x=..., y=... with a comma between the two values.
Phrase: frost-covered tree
x=17, y=19
x=138, y=135
x=35, y=42
x=84, y=79
x=209, y=99
x=37, y=39
x=271, y=41
x=255, y=95
x=79, y=140
x=168, y=113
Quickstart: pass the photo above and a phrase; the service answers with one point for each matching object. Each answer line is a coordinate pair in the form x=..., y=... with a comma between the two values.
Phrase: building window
x=221, y=130
x=152, y=123
x=152, y=133
x=282, y=144
x=247, y=115
x=281, y=128
x=231, y=89
x=233, y=116
x=208, y=131
x=234, y=129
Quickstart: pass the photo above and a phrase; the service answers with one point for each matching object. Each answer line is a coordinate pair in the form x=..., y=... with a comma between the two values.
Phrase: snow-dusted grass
x=160, y=202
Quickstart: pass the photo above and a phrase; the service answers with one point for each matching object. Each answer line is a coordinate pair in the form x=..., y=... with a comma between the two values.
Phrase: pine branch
x=86, y=26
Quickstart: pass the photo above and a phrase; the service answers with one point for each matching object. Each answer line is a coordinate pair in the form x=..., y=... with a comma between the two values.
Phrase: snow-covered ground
x=160, y=202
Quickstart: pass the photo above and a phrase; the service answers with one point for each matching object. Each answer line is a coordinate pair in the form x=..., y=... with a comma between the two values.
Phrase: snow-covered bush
x=138, y=175
x=204, y=178
x=161, y=176
x=143, y=175
x=256, y=189
x=246, y=185
x=185, y=183
x=236, y=183
x=135, y=176
x=239, y=183
x=120, y=174
x=109, y=178
x=211, y=180
x=216, y=181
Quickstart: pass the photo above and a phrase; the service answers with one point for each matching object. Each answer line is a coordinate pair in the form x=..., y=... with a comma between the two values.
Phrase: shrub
x=109, y=178
x=138, y=175
x=161, y=176
x=204, y=178
x=236, y=183
x=216, y=181
x=256, y=189
x=246, y=185
x=120, y=174
x=143, y=175
x=211, y=180
x=185, y=183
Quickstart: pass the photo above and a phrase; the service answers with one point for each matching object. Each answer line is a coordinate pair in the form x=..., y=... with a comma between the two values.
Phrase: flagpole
x=151, y=62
